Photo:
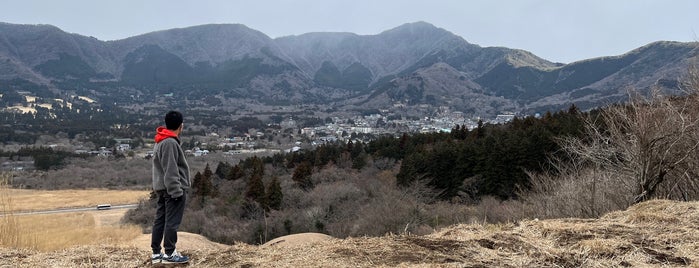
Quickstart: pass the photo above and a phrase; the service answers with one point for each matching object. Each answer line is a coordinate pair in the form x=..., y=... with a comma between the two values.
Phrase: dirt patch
x=297, y=240
x=659, y=257
x=185, y=242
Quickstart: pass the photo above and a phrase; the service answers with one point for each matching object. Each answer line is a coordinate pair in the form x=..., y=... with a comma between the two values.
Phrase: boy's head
x=173, y=120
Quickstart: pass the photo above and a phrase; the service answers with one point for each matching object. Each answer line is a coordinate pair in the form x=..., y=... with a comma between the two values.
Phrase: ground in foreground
x=654, y=233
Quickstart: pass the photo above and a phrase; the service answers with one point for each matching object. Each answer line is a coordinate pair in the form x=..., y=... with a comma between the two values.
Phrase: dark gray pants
x=168, y=217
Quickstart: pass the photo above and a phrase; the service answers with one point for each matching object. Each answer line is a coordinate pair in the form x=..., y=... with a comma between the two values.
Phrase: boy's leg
x=173, y=217
x=159, y=224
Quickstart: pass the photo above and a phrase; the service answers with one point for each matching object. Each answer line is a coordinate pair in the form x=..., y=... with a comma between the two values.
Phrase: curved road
x=67, y=210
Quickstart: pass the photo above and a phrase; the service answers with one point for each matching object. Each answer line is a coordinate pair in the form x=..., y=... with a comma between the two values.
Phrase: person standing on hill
x=170, y=183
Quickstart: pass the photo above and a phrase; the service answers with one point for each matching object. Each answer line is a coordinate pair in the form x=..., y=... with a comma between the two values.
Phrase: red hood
x=162, y=133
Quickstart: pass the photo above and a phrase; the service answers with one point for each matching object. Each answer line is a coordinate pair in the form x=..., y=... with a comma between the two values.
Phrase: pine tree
x=358, y=156
x=302, y=175
x=480, y=132
x=222, y=169
x=256, y=189
x=196, y=183
x=235, y=173
x=455, y=131
x=274, y=194
x=357, y=149
x=207, y=172
x=202, y=184
x=258, y=167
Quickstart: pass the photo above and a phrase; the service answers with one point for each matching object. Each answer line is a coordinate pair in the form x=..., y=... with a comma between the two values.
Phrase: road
x=68, y=210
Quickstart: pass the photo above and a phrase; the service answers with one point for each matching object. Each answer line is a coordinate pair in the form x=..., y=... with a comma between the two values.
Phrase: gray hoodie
x=170, y=169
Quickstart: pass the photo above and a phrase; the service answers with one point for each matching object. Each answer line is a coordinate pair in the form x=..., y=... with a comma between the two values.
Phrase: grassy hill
x=657, y=233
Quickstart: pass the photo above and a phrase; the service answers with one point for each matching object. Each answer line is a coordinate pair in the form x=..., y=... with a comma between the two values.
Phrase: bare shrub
x=330, y=173
x=383, y=163
x=93, y=172
x=631, y=153
x=390, y=209
x=143, y=215
x=443, y=214
x=494, y=210
x=583, y=194
x=649, y=142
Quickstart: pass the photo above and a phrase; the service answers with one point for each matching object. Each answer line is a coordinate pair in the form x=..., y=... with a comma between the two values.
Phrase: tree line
x=342, y=184
x=489, y=160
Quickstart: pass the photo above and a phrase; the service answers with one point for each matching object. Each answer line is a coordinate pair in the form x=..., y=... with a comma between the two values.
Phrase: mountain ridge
x=323, y=67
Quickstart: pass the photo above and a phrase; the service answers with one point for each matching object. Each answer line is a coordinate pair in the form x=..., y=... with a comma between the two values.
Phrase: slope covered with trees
x=412, y=183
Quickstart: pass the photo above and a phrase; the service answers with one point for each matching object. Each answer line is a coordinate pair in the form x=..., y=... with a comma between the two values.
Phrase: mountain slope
x=214, y=43
x=25, y=48
x=412, y=64
x=389, y=52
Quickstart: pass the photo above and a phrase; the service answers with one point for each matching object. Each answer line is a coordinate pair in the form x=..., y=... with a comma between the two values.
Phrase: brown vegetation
x=631, y=154
x=51, y=232
x=33, y=200
x=641, y=150
x=650, y=143
x=655, y=233
x=99, y=173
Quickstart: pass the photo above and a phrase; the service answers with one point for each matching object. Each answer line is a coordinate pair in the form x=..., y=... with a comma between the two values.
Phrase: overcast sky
x=556, y=30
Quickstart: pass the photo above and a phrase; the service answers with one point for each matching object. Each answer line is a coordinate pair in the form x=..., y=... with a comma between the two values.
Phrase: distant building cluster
x=356, y=128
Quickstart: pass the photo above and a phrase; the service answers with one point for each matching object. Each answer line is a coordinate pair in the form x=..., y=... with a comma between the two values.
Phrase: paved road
x=68, y=210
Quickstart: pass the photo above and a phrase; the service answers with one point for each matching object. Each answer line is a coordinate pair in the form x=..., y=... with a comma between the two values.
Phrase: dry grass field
x=52, y=232
x=656, y=233
x=34, y=200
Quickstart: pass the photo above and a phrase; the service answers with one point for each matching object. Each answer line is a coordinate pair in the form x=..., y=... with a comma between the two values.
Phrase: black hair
x=173, y=120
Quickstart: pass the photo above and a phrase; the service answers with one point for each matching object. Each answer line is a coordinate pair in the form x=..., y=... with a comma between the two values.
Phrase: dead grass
x=34, y=200
x=9, y=225
x=651, y=234
x=53, y=232
x=61, y=231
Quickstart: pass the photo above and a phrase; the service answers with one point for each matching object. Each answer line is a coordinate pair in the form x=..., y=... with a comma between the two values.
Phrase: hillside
x=412, y=64
x=651, y=234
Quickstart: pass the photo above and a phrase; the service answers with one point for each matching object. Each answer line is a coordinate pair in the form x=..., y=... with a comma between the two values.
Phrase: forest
x=414, y=183
x=569, y=163
x=564, y=164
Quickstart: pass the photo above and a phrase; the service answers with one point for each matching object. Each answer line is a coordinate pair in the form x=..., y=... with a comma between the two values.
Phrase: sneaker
x=156, y=258
x=175, y=257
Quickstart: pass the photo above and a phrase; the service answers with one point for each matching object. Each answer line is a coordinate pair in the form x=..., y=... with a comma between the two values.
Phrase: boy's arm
x=171, y=176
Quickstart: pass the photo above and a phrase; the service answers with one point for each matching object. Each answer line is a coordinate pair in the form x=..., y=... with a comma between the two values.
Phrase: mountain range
x=413, y=64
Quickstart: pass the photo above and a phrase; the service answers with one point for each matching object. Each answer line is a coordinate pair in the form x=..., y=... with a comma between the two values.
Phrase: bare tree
x=650, y=142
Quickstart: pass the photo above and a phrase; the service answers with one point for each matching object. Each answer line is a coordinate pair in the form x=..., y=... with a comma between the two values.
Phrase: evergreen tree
x=274, y=194
x=207, y=172
x=256, y=189
x=196, y=183
x=222, y=169
x=202, y=184
x=463, y=133
x=456, y=131
x=357, y=149
x=358, y=156
x=302, y=175
x=235, y=173
x=359, y=161
x=258, y=167
x=480, y=131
